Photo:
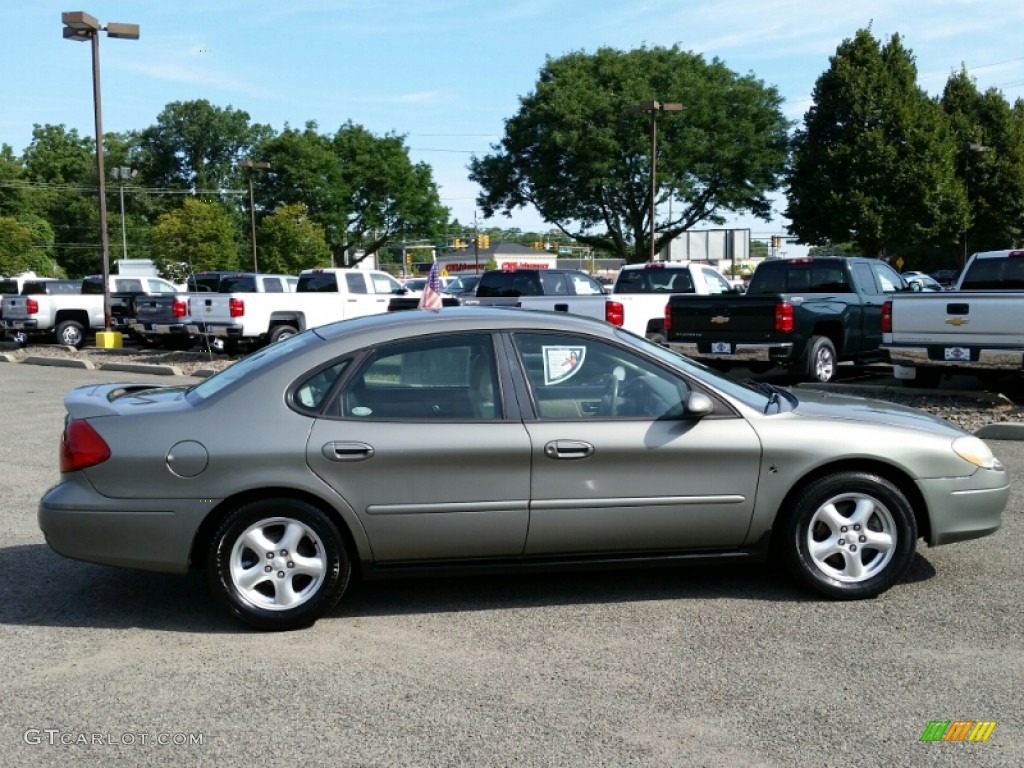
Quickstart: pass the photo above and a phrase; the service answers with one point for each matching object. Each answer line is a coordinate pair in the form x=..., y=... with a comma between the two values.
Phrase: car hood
x=818, y=404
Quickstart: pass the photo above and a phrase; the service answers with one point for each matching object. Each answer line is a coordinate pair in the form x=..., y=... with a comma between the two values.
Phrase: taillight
x=31, y=306
x=614, y=313
x=668, y=317
x=81, y=447
x=237, y=307
x=887, y=317
x=178, y=308
x=783, y=317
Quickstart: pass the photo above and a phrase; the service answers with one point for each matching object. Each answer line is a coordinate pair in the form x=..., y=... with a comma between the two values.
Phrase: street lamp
x=121, y=174
x=980, y=149
x=654, y=107
x=80, y=26
x=252, y=205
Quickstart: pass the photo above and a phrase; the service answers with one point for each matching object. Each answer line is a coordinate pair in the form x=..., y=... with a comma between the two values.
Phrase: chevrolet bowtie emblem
x=719, y=319
x=958, y=321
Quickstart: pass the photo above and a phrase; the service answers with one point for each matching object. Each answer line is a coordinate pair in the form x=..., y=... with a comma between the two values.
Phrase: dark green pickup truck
x=803, y=314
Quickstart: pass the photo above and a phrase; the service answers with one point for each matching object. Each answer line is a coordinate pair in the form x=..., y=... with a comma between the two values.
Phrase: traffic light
x=776, y=242
x=456, y=243
x=485, y=241
x=537, y=245
x=408, y=259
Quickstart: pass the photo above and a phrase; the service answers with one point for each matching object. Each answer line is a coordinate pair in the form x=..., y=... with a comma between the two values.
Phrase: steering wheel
x=610, y=399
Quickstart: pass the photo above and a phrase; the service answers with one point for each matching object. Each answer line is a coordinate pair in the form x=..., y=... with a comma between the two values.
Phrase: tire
x=657, y=337
x=71, y=333
x=274, y=589
x=282, y=332
x=821, y=359
x=827, y=515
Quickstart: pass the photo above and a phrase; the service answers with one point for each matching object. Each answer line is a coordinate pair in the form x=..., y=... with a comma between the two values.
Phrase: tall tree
x=874, y=163
x=577, y=152
x=289, y=241
x=990, y=159
x=363, y=189
x=196, y=146
x=196, y=237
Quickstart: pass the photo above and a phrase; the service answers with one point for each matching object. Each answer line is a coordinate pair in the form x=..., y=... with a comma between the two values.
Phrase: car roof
x=463, y=319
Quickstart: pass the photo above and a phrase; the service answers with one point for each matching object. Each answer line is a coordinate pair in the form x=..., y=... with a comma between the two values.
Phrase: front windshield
x=751, y=394
x=251, y=365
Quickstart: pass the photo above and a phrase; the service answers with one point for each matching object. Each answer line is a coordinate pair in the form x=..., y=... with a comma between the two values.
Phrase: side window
x=311, y=393
x=716, y=284
x=450, y=378
x=888, y=279
x=865, y=278
x=128, y=286
x=577, y=377
x=585, y=286
x=159, y=286
x=385, y=284
x=356, y=282
x=553, y=282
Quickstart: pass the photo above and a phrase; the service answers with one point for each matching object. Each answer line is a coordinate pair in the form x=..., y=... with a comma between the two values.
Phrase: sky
x=446, y=74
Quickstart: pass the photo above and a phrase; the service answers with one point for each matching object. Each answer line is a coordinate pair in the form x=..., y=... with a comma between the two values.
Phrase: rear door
x=419, y=445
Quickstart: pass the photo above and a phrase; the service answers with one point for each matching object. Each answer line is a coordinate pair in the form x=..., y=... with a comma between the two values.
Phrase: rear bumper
x=149, y=534
x=976, y=357
x=21, y=325
x=767, y=353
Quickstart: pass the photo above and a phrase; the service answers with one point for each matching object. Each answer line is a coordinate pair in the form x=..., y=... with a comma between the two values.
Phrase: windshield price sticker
x=721, y=348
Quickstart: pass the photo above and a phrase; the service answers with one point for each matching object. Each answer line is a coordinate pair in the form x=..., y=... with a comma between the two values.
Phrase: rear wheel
x=850, y=535
x=278, y=564
x=282, y=332
x=71, y=333
x=821, y=359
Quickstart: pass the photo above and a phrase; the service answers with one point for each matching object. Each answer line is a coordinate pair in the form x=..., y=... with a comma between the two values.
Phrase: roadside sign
x=899, y=262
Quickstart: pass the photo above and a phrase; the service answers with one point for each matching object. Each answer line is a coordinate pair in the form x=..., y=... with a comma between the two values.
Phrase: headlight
x=974, y=450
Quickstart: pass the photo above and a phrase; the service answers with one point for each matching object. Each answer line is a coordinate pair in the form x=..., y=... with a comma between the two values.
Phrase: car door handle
x=568, y=449
x=335, y=451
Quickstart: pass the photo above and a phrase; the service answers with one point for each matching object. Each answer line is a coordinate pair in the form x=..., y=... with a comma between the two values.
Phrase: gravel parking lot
x=706, y=666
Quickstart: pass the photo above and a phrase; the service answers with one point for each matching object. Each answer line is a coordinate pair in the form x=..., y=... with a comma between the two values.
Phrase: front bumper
x=962, y=508
x=148, y=534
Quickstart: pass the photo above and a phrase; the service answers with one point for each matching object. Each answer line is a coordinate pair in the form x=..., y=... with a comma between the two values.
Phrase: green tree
x=196, y=237
x=196, y=146
x=363, y=189
x=989, y=139
x=289, y=241
x=874, y=163
x=14, y=193
x=577, y=153
x=15, y=246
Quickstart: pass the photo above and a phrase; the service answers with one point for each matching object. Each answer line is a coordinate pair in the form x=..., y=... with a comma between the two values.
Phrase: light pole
x=121, y=174
x=980, y=149
x=252, y=205
x=654, y=107
x=80, y=26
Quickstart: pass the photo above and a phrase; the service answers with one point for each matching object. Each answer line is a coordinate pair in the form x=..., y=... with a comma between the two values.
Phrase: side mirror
x=915, y=285
x=699, y=405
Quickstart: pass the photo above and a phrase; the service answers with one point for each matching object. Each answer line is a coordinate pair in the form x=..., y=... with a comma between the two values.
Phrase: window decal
x=562, y=363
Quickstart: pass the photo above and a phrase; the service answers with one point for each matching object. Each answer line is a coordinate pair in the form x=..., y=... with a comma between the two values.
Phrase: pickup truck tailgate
x=15, y=308
x=959, y=318
x=723, y=319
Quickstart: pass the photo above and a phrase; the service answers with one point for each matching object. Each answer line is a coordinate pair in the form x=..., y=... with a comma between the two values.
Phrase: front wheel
x=821, y=359
x=850, y=535
x=71, y=333
x=278, y=564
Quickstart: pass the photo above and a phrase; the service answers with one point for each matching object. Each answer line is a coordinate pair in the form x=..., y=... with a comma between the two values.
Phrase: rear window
x=508, y=285
x=8, y=286
x=654, y=281
x=318, y=282
x=994, y=275
x=53, y=286
x=800, y=278
x=205, y=283
x=237, y=284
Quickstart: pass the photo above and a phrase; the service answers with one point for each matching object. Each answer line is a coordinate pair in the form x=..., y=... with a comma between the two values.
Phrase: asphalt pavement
x=705, y=666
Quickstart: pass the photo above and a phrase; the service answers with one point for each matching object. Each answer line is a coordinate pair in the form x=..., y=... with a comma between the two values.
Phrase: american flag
x=431, y=296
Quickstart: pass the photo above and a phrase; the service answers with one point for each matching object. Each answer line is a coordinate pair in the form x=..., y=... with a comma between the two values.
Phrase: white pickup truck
x=641, y=291
x=321, y=296
x=977, y=328
x=71, y=317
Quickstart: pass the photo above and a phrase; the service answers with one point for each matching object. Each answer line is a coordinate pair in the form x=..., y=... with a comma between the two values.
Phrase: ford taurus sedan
x=481, y=438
